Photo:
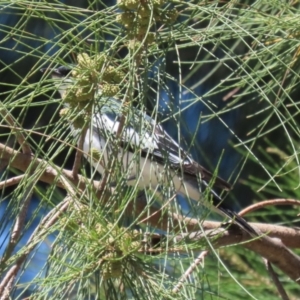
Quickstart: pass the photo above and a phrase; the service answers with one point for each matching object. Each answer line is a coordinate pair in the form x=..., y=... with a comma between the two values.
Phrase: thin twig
x=266, y=203
x=191, y=268
x=231, y=94
x=19, y=223
x=121, y=126
x=276, y=281
x=11, y=181
x=156, y=211
x=79, y=153
x=35, y=238
x=22, y=162
x=26, y=197
x=19, y=135
x=112, y=161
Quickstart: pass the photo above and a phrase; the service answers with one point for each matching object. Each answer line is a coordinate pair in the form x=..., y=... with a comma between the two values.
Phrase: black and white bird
x=149, y=156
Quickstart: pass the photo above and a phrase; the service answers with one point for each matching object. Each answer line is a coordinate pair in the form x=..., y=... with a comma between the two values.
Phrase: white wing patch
x=142, y=133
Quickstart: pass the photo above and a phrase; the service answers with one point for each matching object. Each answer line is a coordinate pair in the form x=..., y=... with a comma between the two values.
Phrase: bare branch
x=278, y=254
x=23, y=161
x=27, y=194
x=266, y=203
x=272, y=249
x=187, y=273
x=19, y=223
x=11, y=181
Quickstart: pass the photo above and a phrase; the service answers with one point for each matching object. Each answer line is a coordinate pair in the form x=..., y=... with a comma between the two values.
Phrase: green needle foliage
x=101, y=242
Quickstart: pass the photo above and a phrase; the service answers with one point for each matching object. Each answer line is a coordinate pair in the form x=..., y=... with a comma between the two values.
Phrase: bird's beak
x=53, y=72
x=43, y=70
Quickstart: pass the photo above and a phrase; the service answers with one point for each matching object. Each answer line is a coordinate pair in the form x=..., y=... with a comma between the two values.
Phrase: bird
x=149, y=156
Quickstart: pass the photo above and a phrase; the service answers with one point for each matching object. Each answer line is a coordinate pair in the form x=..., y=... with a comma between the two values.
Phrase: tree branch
x=266, y=203
x=22, y=162
x=273, y=249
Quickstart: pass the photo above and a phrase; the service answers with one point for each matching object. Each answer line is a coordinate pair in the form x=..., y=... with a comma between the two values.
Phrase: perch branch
x=272, y=249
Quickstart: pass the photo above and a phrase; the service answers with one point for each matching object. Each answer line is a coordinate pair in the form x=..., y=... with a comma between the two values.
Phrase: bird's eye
x=64, y=71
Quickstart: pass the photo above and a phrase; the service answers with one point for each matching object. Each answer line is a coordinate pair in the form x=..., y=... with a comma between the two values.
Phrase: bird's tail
x=238, y=220
x=222, y=209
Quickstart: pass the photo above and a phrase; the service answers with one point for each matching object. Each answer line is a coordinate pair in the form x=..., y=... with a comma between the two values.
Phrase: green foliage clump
x=117, y=249
x=92, y=76
x=139, y=17
x=110, y=90
x=96, y=154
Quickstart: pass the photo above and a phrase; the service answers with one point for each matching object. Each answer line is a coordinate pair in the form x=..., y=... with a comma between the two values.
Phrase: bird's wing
x=179, y=159
x=141, y=133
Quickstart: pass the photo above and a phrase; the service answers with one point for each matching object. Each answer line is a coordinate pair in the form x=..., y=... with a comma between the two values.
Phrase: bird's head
x=62, y=78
